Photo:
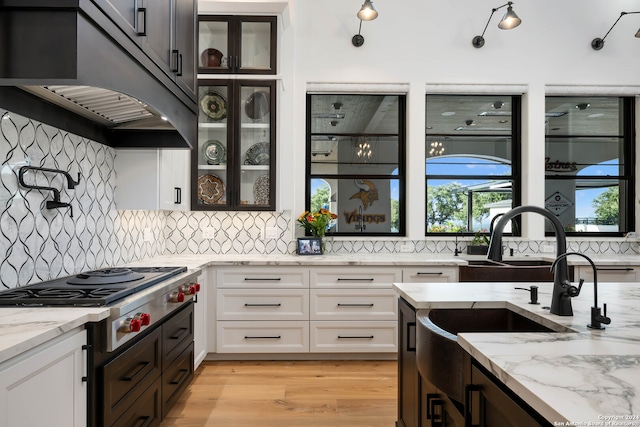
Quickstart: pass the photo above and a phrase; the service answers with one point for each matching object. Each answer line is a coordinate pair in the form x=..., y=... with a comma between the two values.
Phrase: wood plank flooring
x=330, y=393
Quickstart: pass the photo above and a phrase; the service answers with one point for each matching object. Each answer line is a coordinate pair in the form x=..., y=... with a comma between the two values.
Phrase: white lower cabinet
x=44, y=386
x=318, y=309
x=609, y=273
x=263, y=337
x=354, y=336
x=200, y=316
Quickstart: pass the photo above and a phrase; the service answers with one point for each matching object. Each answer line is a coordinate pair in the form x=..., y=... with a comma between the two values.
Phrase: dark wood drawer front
x=177, y=332
x=175, y=378
x=126, y=377
x=146, y=411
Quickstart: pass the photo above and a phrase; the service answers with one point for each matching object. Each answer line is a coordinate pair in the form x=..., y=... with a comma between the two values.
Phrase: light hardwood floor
x=289, y=394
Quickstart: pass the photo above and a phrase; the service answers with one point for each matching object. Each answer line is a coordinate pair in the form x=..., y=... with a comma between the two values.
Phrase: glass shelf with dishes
x=235, y=162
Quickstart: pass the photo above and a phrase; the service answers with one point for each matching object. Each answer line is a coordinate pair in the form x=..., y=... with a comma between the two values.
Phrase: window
x=589, y=162
x=472, y=161
x=355, y=161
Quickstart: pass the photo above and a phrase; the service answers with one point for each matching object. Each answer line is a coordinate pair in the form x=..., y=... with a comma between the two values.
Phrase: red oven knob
x=130, y=325
x=176, y=297
x=144, y=318
x=197, y=285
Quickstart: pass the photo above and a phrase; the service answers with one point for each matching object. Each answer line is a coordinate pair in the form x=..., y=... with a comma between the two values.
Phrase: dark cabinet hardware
x=274, y=337
x=88, y=348
x=429, y=273
x=248, y=279
x=354, y=305
x=263, y=305
x=178, y=194
x=175, y=54
x=137, y=372
x=348, y=279
x=181, y=376
x=437, y=412
x=473, y=406
x=178, y=334
x=357, y=337
x=142, y=421
x=142, y=21
x=411, y=336
x=614, y=269
x=55, y=203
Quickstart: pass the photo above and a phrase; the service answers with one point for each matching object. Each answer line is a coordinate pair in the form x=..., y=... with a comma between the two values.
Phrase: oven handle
x=136, y=373
x=143, y=421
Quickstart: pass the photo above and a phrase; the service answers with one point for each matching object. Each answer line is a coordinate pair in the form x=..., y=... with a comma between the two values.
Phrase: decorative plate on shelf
x=211, y=58
x=214, y=152
x=261, y=190
x=214, y=106
x=258, y=154
x=210, y=189
x=257, y=105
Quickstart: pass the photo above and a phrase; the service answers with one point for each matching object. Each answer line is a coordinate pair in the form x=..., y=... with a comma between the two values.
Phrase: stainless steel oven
x=140, y=358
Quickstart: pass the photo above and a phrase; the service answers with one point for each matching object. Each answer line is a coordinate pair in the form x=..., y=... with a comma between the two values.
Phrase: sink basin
x=441, y=360
x=508, y=271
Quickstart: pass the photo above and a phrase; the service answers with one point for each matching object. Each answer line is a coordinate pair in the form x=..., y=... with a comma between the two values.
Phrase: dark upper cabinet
x=234, y=164
x=237, y=44
x=166, y=31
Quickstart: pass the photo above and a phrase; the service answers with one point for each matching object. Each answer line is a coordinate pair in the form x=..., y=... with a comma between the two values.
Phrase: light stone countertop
x=380, y=259
x=577, y=377
x=22, y=329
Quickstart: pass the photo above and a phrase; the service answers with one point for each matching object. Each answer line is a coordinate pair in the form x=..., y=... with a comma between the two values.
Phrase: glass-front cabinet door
x=234, y=168
x=237, y=44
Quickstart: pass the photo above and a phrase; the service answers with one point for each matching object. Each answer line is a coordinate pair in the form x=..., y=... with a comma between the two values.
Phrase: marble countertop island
x=571, y=378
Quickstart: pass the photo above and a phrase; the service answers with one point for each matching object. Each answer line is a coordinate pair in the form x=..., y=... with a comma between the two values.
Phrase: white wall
x=416, y=43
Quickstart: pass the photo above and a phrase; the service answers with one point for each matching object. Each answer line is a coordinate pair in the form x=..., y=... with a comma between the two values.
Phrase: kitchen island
x=569, y=378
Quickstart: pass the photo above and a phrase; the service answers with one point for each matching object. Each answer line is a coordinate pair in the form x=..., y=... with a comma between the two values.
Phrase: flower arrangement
x=480, y=239
x=317, y=222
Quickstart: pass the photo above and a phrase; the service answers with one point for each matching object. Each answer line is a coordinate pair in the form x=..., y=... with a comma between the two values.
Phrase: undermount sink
x=441, y=360
x=508, y=271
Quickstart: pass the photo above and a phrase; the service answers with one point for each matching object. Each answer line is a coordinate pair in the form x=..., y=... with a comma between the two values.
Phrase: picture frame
x=309, y=246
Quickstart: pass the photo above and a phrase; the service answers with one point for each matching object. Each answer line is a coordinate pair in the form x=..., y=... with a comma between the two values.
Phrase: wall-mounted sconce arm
x=598, y=43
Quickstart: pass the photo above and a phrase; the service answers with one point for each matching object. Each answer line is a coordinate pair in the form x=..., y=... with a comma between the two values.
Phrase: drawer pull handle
x=132, y=377
x=354, y=305
x=183, y=373
x=429, y=273
x=355, y=279
x=261, y=279
x=275, y=337
x=614, y=269
x=179, y=333
x=356, y=337
x=263, y=305
x=142, y=421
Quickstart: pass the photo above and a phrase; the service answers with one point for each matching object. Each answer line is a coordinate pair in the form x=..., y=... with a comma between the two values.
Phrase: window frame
x=628, y=138
x=400, y=177
x=516, y=163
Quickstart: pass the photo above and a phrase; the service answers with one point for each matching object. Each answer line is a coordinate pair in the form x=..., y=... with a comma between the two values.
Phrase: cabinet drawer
x=264, y=277
x=354, y=277
x=125, y=378
x=263, y=304
x=145, y=410
x=175, y=378
x=262, y=337
x=177, y=332
x=354, y=337
x=354, y=304
x=609, y=274
x=430, y=274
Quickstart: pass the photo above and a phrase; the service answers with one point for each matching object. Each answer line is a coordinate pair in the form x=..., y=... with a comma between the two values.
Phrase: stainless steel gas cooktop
x=92, y=288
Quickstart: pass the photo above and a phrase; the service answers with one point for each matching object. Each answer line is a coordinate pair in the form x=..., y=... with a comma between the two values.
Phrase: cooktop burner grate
x=86, y=292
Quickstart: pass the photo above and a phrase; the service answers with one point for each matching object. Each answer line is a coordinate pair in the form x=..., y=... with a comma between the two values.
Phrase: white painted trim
x=476, y=89
x=580, y=90
x=373, y=88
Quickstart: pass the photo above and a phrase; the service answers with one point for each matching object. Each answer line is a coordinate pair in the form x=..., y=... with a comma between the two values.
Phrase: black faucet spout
x=560, y=300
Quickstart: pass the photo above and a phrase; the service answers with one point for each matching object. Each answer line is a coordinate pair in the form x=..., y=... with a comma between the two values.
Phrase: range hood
x=70, y=66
